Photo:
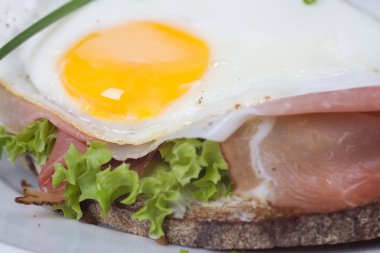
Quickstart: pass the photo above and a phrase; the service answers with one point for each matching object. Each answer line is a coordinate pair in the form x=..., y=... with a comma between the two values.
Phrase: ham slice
x=61, y=146
x=16, y=113
x=365, y=99
x=311, y=163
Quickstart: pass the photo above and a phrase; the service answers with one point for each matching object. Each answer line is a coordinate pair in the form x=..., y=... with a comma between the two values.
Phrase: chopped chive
x=309, y=1
x=42, y=24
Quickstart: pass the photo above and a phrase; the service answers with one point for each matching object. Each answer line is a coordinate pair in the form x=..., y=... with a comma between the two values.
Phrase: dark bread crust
x=214, y=228
x=242, y=225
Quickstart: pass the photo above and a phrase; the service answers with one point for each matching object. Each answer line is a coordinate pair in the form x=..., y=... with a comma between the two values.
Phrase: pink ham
x=364, y=99
x=62, y=145
x=16, y=113
x=316, y=162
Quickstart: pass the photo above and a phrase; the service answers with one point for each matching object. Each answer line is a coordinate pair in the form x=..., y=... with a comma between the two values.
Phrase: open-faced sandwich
x=224, y=124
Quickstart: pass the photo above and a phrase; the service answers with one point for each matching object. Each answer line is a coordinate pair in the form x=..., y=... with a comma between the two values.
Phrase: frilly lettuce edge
x=183, y=168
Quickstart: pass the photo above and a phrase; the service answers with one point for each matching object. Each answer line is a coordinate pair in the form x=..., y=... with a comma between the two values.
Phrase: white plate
x=36, y=229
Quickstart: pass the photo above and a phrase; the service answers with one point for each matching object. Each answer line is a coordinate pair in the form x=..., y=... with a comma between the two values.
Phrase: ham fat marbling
x=312, y=162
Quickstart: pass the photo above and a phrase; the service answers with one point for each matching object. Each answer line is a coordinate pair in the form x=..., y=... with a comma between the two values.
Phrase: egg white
x=260, y=50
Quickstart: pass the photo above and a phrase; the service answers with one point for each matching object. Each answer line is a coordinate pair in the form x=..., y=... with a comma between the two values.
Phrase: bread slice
x=220, y=228
x=238, y=224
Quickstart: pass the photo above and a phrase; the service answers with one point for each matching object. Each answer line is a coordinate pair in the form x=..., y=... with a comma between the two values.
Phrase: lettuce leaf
x=36, y=139
x=189, y=165
x=185, y=166
x=87, y=180
x=159, y=190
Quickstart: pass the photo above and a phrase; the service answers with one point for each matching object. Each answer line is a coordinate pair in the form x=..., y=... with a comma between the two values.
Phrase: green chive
x=309, y=1
x=42, y=24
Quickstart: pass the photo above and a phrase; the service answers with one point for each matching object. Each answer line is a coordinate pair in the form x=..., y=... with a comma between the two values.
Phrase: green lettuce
x=36, y=139
x=184, y=170
x=87, y=180
x=185, y=166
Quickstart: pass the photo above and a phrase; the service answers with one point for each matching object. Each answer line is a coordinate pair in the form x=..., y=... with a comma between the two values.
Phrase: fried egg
x=141, y=72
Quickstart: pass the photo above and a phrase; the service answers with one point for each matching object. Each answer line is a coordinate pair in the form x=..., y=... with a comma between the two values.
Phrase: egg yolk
x=134, y=70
